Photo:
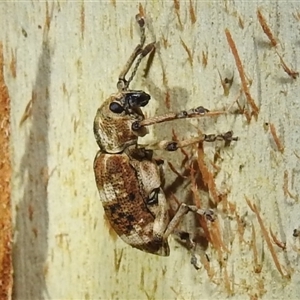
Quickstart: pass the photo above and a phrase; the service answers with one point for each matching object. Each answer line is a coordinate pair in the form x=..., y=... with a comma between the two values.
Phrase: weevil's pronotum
x=127, y=175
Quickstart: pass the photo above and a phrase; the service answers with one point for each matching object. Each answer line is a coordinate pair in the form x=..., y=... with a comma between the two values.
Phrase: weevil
x=128, y=176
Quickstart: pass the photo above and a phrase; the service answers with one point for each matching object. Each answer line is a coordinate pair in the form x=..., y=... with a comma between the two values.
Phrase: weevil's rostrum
x=113, y=122
x=128, y=176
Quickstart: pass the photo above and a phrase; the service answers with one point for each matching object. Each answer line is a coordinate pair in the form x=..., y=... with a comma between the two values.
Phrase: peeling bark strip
x=5, y=175
x=265, y=234
x=240, y=68
x=266, y=28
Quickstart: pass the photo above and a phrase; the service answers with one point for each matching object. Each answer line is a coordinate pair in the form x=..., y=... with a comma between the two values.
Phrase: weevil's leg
x=190, y=245
x=138, y=51
x=183, y=209
x=185, y=236
x=197, y=112
x=194, y=260
x=174, y=145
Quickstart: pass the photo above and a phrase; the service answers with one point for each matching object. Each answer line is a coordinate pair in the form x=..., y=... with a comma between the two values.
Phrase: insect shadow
x=178, y=184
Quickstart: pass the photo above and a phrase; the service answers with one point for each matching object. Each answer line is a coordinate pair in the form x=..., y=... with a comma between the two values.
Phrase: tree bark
x=62, y=60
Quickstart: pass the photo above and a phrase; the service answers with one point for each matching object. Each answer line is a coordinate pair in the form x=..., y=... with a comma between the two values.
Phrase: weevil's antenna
x=144, y=52
x=141, y=21
x=139, y=52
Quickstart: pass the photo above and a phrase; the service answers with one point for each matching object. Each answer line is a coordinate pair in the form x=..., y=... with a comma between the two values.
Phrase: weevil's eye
x=116, y=108
x=139, y=99
x=153, y=197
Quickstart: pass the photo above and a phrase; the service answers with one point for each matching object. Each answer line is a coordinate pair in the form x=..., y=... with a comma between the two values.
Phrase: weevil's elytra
x=130, y=191
x=128, y=176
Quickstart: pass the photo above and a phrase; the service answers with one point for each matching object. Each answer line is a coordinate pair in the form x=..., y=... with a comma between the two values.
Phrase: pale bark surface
x=66, y=57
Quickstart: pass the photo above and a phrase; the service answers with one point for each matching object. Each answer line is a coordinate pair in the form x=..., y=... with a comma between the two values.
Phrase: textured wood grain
x=62, y=60
x=6, y=280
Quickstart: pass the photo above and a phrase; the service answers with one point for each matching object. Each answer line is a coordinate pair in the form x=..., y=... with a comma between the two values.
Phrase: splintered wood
x=245, y=82
x=266, y=29
x=292, y=73
x=5, y=171
x=277, y=141
x=266, y=235
x=207, y=175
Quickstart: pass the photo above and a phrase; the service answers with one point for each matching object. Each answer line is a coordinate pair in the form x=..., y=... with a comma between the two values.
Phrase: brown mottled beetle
x=127, y=176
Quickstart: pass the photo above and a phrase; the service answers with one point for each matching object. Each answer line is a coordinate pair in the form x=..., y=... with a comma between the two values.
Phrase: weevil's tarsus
x=194, y=262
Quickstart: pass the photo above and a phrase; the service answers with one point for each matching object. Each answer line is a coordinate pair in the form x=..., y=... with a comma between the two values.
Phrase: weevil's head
x=114, y=119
